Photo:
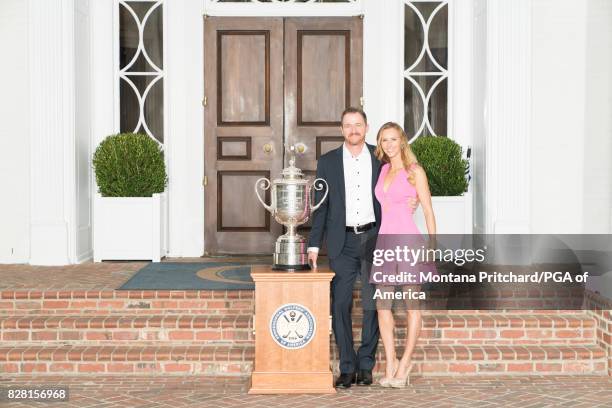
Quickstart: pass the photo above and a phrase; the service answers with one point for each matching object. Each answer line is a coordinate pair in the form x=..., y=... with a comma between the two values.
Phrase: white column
x=508, y=116
x=52, y=126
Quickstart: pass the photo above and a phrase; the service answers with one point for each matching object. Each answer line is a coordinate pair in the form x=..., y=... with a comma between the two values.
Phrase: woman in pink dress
x=400, y=179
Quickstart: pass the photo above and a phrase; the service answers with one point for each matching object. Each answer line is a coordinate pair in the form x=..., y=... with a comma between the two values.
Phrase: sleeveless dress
x=398, y=228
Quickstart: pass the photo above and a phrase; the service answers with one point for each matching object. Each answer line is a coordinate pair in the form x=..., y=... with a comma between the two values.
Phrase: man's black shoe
x=346, y=380
x=364, y=377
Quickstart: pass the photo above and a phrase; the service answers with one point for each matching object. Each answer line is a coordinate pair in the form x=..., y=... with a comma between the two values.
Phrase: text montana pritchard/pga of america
x=425, y=257
x=419, y=278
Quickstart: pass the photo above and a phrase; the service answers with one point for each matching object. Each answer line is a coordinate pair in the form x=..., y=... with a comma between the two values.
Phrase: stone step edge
x=245, y=352
x=228, y=367
x=53, y=294
x=183, y=321
x=110, y=294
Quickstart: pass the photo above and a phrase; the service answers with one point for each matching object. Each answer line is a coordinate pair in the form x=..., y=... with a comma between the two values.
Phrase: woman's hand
x=422, y=188
x=413, y=202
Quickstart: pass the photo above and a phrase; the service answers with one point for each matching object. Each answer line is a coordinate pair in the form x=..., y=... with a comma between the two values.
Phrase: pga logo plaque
x=292, y=326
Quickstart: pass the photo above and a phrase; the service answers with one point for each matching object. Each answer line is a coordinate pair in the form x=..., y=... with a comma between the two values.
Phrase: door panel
x=243, y=77
x=323, y=76
x=243, y=117
x=275, y=83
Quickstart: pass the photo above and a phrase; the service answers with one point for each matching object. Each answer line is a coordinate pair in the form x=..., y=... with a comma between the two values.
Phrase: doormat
x=192, y=276
x=233, y=275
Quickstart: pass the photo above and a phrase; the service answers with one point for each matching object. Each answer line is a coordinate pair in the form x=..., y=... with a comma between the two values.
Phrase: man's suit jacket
x=330, y=218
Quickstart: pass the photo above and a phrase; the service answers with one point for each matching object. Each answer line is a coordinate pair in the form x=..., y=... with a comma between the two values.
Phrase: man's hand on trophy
x=312, y=258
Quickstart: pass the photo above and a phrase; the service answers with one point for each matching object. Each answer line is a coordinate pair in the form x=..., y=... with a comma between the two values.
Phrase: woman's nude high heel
x=401, y=382
x=386, y=381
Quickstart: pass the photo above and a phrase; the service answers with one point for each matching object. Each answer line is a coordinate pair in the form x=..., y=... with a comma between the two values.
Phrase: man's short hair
x=352, y=109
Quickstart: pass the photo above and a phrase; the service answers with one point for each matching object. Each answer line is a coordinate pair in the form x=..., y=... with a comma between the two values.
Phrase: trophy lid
x=291, y=173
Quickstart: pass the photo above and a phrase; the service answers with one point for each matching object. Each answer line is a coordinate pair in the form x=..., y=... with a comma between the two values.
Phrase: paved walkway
x=194, y=391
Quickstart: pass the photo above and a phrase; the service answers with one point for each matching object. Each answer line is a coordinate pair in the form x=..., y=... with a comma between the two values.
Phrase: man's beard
x=361, y=139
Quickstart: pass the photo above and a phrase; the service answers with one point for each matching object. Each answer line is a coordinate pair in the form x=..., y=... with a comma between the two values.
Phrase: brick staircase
x=210, y=332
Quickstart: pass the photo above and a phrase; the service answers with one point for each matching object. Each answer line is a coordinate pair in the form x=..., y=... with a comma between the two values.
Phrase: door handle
x=300, y=148
x=267, y=148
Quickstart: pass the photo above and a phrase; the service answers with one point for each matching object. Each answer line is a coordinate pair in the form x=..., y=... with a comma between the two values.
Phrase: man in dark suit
x=349, y=218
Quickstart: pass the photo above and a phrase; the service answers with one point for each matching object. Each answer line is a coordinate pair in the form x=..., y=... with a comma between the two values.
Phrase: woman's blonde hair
x=408, y=157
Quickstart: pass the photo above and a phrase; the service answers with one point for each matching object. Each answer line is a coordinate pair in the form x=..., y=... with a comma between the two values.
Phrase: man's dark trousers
x=350, y=264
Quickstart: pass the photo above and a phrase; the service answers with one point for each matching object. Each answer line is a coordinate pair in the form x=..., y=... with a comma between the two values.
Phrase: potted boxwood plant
x=446, y=169
x=129, y=209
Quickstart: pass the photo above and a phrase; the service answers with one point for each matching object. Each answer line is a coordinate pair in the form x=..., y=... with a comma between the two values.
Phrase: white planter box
x=453, y=215
x=129, y=228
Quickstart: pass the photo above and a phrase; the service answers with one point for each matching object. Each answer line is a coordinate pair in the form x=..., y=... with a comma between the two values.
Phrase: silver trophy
x=292, y=196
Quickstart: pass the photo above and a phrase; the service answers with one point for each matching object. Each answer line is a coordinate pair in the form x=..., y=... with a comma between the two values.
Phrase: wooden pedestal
x=291, y=367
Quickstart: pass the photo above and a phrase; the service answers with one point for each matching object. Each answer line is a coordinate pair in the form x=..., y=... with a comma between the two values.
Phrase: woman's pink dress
x=397, y=225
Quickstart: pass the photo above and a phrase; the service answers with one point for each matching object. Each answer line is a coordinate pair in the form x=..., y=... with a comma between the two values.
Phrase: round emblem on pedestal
x=292, y=326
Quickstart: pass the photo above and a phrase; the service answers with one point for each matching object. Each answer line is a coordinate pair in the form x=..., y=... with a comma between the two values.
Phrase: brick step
x=214, y=359
x=218, y=302
x=138, y=328
x=437, y=329
x=497, y=328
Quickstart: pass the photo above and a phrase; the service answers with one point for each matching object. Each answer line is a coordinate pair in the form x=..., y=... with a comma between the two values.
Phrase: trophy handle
x=314, y=187
x=265, y=185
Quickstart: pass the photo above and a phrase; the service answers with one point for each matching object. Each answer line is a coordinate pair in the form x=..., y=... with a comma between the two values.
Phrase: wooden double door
x=270, y=83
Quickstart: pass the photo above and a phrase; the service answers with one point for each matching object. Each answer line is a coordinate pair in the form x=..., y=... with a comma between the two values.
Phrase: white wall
x=597, y=175
x=508, y=94
x=14, y=133
x=559, y=75
x=572, y=110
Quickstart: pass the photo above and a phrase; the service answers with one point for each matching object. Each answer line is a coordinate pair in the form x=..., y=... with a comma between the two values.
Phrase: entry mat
x=222, y=275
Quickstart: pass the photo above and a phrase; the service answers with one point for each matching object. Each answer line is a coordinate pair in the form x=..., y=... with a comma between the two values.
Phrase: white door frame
x=185, y=87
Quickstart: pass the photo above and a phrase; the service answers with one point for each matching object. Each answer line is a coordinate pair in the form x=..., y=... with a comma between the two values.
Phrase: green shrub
x=444, y=165
x=129, y=165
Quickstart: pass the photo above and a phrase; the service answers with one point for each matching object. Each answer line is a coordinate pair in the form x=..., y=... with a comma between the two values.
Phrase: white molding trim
x=477, y=119
x=508, y=116
x=184, y=117
x=52, y=121
x=383, y=82
x=281, y=9
x=444, y=74
x=105, y=87
x=83, y=49
x=461, y=67
x=183, y=32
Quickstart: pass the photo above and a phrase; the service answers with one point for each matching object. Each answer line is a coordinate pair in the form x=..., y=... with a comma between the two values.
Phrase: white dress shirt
x=357, y=188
